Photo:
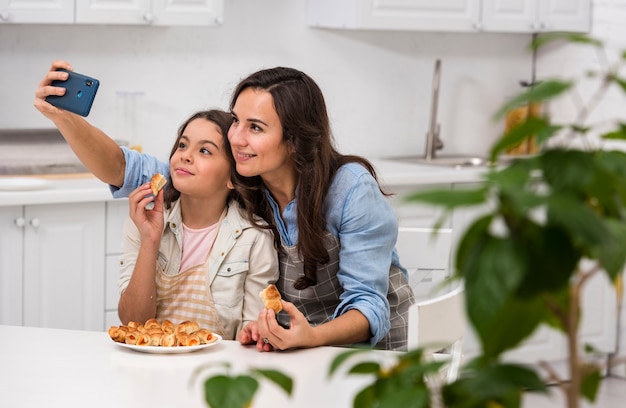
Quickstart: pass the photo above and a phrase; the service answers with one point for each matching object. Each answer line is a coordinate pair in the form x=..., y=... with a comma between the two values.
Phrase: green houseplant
x=555, y=220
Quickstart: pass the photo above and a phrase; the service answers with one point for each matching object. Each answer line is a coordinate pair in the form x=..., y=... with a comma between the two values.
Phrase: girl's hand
x=149, y=222
x=45, y=88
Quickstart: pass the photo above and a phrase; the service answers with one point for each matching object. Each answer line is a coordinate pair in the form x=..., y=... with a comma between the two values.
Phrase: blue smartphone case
x=79, y=95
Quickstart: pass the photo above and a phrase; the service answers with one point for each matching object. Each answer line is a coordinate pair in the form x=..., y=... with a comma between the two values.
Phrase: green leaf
x=543, y=39
x=582, y=224
x=612, y=252
x=590, y=382
x=487, y=385
x=341, y=359
x=366, y=398
x=619, y=81
x=283, y=381
x=619, y=133
x=543, y=91
x=570, y=170
x=551, y=258
x=367, y=367
x=528, y=128
x=222, y=391
x=450, y=199
x=408, y=397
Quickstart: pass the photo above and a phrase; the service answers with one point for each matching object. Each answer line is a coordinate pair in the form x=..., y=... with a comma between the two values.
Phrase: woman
x=199, y=259
x=339, y=272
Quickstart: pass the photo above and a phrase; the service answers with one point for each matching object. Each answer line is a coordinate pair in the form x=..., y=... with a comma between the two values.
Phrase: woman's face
x=199, y=167
x=256, y=136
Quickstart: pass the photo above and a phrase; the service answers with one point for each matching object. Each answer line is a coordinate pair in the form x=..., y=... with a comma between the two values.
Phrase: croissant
x=168, y=340
x=186, y=327
x=118, y=334
x=152, y=324
x=132, y=337
x=167, y=326
x=271, y=298
x=157, y=182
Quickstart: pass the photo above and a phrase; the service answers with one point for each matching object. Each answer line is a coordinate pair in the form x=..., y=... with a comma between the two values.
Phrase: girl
x=194, y=256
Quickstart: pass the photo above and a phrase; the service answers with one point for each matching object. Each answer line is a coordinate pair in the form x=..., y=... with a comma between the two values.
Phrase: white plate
x=22, y=183
x=169, y=350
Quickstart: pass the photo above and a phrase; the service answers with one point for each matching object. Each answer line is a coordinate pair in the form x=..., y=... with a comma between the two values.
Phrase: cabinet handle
x=4, y=15
x=35, y=223
x=20, y=222
x=477, y=26
x=148, y=18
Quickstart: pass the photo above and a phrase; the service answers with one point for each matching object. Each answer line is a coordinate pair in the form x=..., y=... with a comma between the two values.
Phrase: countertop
x=74, y=188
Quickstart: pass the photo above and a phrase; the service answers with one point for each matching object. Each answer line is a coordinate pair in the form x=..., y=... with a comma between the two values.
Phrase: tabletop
x=72, y=368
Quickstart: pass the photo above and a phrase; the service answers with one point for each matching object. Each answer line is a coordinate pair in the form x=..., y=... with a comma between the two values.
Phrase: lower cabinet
x=116, y=214
x=51, y=268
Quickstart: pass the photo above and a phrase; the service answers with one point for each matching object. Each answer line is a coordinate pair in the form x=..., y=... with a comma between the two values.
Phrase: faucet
x=433, y=142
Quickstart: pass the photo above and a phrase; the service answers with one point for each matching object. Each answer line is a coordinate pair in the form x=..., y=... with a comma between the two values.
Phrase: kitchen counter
x=48, y=189
x=74, y=188
x=398, y=173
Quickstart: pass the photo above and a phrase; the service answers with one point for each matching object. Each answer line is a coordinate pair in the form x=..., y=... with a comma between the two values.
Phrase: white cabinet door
x=11, y=249
x=114, y=12
x=64, y=266
x=565, y=15
x=36, y=11
x=528, y=16
x=510, y=15
x=420, y=15
x=150, y=12
x=188, y=12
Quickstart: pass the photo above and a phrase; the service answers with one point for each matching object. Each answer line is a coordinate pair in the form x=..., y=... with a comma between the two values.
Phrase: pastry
x=157, y=182
x=271, y=298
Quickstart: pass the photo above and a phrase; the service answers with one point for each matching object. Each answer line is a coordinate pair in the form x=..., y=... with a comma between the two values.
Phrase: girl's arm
x=97, y=151
x=138, y=299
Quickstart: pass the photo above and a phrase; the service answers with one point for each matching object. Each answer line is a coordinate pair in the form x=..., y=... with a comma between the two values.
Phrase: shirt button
x=173, y=225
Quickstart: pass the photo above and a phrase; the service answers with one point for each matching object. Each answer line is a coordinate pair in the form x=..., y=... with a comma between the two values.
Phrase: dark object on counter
x=36, y=151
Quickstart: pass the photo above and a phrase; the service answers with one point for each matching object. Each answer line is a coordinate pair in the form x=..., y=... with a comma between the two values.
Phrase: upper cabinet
x=137, y=12
x=424, y=15
x=522, y=16
x=36, y=11
x=536, y=15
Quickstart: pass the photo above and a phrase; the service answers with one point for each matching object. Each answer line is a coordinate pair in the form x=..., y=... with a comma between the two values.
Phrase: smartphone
x=79, y=95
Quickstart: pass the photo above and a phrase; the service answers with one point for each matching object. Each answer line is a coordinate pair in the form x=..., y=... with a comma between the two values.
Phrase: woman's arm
x=97, y=151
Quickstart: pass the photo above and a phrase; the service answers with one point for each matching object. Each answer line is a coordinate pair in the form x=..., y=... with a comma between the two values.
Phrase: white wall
x=575, y=61
x=377, y=84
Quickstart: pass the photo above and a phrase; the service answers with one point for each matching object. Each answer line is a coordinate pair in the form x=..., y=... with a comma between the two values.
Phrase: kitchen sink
x=445, y=161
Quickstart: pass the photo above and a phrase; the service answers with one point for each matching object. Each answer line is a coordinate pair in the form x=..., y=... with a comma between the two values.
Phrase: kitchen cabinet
x=51, y=268
x=151, y=12
x=139, y=12
x=521, y=16
x=536, y=15
x=39, y=11
x=422, y=15
x=424, y=252
x=116, y=214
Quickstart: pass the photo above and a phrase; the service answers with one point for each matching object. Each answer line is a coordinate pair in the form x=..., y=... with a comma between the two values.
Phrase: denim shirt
x=357, y=214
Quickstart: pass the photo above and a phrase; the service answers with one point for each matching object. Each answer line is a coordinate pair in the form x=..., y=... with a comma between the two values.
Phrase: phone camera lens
x=89, y=82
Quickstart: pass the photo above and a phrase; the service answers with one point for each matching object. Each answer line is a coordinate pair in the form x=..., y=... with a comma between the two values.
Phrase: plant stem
x=573, y=388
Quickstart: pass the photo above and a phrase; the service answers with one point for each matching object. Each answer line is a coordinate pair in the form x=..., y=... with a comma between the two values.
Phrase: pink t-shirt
x=197, y=244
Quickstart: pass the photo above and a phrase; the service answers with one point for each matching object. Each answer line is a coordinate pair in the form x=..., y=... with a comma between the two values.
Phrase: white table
x=68, y=368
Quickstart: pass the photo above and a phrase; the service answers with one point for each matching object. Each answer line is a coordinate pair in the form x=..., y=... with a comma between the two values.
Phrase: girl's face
x=256, y=136
x=199, y=167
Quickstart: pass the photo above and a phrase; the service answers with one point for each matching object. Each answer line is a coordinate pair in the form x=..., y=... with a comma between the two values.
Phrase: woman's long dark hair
x=301, y=108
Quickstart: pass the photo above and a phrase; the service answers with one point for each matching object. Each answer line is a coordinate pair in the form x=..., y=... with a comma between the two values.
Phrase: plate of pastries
x=163, y=337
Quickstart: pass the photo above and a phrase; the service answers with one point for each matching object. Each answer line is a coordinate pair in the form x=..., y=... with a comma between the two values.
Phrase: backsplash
x=36, y=151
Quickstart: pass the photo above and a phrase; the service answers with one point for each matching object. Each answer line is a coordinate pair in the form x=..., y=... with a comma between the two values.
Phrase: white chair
x=438, y=326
